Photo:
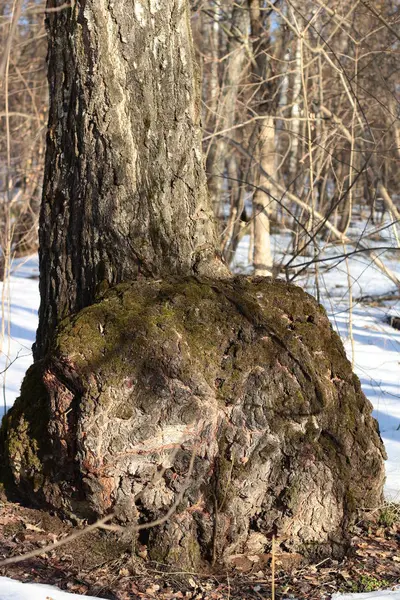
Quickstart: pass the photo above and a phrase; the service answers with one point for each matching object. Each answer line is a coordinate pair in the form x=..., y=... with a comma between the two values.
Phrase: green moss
x=167, y=551
x=188, y=557
x=292, y=494
x=22, y=448
x=123, y=411
x=368, y=583
x=206, y=315
x=163, y=317
x=24, y=437
x=389, y=515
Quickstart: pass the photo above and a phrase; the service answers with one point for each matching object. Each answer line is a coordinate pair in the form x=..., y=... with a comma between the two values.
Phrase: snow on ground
x=380, y=595
x=377, y=363
x=19, y=319
x=14, y=590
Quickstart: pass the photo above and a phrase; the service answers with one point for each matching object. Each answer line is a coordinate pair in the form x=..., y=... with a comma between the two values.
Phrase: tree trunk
x=222, y=408
x=227, y=106
x=295, y=114
x=262, y=257
x=265, y=144
x=124, y=192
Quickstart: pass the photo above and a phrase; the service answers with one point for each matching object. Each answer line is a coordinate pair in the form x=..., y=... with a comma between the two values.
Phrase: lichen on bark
x=246, y=373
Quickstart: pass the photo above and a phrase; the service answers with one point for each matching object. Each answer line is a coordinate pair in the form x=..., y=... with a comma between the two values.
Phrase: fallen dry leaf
x=35, y=528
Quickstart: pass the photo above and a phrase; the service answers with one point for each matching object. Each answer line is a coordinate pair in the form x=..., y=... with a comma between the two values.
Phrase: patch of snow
x=393, y=594
x=14, y=590
x=377, y=364
x=20, y=320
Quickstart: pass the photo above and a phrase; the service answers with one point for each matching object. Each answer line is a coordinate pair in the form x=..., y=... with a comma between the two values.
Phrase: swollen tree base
x=232, y=399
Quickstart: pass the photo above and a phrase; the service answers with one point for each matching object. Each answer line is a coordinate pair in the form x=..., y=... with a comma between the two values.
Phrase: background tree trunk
x=125, y=191
x=227, y=109
x=263, y=205
x=262, y=202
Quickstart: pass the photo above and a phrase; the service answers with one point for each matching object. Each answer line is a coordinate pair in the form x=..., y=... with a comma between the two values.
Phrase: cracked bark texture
x=125, y=190
x=248, y=374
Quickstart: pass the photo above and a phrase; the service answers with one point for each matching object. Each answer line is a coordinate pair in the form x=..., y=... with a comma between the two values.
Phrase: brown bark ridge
x=247, y=376
x=124, y=191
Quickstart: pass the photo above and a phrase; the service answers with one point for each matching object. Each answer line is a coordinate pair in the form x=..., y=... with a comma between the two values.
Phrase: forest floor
x=97, y=565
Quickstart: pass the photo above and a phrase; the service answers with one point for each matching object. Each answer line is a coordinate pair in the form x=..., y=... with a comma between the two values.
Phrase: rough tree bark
x=244, y=376
x=124, y=192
